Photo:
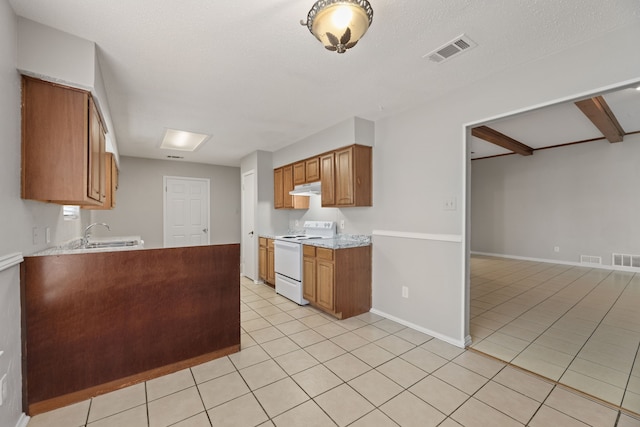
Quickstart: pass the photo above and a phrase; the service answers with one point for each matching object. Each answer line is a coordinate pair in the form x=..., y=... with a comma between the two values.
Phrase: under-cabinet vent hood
x=311, y=189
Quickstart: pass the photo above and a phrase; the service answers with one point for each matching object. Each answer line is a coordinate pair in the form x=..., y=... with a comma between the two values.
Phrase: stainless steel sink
x=112, y=244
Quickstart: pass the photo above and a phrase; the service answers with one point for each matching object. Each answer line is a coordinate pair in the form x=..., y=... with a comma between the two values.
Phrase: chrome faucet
x=85, y=237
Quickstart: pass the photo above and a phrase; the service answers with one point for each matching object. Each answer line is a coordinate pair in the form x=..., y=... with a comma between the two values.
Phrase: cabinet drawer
x=309, y=250
x=262, y=241
x=323, y=253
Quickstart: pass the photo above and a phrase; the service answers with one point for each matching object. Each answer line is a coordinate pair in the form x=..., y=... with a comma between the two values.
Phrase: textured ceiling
x=250, y=75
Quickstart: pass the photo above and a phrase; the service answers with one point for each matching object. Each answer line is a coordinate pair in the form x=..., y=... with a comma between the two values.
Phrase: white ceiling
x=247, y=73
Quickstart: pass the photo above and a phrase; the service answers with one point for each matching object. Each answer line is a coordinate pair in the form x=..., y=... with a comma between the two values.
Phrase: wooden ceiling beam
x=504, y=141
x=597, y=110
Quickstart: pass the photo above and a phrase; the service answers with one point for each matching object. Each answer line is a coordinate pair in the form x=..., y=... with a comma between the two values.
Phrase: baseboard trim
x=447, y=339
x=23, y=420
x=8, y=261
x=557, y=261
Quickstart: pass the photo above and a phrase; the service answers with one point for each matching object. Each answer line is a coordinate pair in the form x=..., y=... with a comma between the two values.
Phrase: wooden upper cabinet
x=62, y=145
x=299, y=176
x=287, y=179
x=312, y=169
x=328, y=179
x=111, y=184
x=278, y=189
x=282, y=184
x=352, y=177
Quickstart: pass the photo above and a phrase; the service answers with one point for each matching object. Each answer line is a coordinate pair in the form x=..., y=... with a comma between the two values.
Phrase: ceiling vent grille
x=625, y=260
x=449, y=50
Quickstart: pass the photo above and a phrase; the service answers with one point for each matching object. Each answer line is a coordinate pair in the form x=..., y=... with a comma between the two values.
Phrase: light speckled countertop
x=74, y=246
x=342, y=241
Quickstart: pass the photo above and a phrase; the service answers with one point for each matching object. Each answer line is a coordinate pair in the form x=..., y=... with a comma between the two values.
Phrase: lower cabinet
x=338, y=281
x=266, y=261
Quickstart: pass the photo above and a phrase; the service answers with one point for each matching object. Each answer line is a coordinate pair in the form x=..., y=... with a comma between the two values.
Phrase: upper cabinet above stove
x=345, y=174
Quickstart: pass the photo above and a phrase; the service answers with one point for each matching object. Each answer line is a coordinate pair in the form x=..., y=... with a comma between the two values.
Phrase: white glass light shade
x=339, y=24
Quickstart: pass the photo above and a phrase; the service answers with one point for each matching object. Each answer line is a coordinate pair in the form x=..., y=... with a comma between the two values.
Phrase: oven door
x=288, y=259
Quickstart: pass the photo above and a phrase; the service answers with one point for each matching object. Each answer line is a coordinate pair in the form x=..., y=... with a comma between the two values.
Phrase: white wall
x=582, y=198
x=139, y=200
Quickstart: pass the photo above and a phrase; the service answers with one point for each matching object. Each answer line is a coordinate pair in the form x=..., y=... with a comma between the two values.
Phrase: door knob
x=251, y=233
x=204, y=230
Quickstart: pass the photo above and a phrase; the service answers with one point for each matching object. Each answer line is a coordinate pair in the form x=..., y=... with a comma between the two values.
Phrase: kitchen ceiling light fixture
x=182, y=140
x=339, y=24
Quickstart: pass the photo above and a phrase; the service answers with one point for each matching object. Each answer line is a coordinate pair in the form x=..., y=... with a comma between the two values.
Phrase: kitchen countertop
x=74, y=246
x=342, y=241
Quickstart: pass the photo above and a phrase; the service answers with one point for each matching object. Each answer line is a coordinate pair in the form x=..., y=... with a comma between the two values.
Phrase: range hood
x=311, y=189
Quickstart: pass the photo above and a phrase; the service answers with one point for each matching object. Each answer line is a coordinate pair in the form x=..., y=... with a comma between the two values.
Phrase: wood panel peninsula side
x=96, y=322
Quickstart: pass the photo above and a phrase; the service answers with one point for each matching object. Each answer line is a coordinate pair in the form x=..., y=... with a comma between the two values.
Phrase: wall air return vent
x=625, y=260
x=590, y=259
x=449, y=50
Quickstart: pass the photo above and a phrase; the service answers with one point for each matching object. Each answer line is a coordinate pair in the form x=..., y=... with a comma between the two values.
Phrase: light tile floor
x=579, y=326
x=299, y=367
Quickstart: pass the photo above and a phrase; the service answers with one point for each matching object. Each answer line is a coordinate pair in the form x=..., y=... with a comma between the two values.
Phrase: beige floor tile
x=165, y=385
x=351, y=323
x=306, y=338
x=118, y=401
x=242, y=411
x=407, y=410
x=375, y=387
x=246, y=341
x=136, y=417
x=369, y=317
x=461, y=378
x=628, y=421
x=347, y=366
x=480, y=364
x=402, y=372
x=222, y=389
x=515, y=329
x=600, y=372
x=495, y=350
x=395, y=344
x=370, y=332
x=581, y=408
x=315, y=320
x=296, y=361
x=593, y=387
x=478, y=332
x=255, y=324
x=259, y=303
x=268, y=310
x=248, y=357
x=261, y=374
x=450, y=423
x=300, y=312
x=538, y=366
x=389, y=326
x=631, y=401
x=524, y=383
x=199, y=420
x=374, y=418
x=507, y=401
x=317, y=380
x=413, y=336
x=324, y=350
x=559, y=344
x=330, y=330
x=474, y=413
x=424, y=359
x=373, y=355
x=308, y=414
x=280, y=396
x=343, y=404
x=439, y=394
x=249, y=314
x=508, y=341
x=212, y=369
x=349, y=341
x=280, y=346
x=278, y=318
x=547, y=417
x=175, y=407
x=69, y=416
x=266, y=334
x=548, y=354
x=292, y=327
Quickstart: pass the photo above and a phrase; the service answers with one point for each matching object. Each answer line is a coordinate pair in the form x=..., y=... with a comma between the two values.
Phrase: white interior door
x=186, y=211
x=249, y=238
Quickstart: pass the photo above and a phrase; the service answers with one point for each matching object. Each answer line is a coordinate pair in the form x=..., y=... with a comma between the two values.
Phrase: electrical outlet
x=556, y=249
x=342, y=224
x=3, y=389
x=405, y=292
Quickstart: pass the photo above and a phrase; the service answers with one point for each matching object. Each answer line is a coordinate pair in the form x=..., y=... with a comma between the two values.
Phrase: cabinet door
x=278, y=189
x=328, y=180
x=299, y=176
x=271, y=272
x=312, y=169
x=96, y=184
x=262, y=263
x=325, y=285
x=309, y=278
x=287, y=179
x=344, y=177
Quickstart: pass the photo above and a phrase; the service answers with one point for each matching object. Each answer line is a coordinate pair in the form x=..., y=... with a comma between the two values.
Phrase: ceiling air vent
x=451, y=49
